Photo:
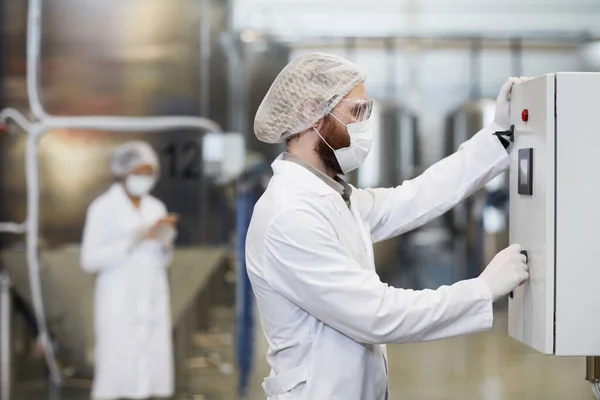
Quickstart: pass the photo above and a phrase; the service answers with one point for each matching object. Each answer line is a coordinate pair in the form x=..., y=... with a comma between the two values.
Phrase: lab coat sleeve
x=390, y=212
x=101, y=251
x=303, y=260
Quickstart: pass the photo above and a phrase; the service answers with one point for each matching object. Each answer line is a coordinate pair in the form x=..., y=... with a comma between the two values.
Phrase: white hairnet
x=131, y=155
x=305, y=91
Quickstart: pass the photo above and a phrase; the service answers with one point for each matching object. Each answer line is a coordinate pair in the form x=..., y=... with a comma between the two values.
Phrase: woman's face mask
x=139, y=185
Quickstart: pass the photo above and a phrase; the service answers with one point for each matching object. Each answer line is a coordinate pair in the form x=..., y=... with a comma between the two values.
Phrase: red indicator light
x=525, y=115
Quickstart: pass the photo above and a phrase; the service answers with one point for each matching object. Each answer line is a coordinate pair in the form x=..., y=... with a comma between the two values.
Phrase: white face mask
x=361, y=139
x=140, y=185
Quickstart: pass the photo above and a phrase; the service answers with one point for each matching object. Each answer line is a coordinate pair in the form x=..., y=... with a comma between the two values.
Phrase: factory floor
x=487, y=366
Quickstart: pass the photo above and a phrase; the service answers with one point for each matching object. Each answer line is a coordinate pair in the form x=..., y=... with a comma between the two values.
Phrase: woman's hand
x=164, y=230
x=162, y=224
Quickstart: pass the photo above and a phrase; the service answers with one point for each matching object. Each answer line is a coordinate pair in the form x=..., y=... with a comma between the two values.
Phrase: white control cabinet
x=555, y=213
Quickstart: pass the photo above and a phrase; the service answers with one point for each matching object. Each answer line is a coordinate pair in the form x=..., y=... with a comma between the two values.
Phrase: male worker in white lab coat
x=127, y=243
x=325, y=313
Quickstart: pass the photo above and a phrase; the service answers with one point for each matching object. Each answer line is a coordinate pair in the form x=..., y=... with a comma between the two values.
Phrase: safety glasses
x=357, y=110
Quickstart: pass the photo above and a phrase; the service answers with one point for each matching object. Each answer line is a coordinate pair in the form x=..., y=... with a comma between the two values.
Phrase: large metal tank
x=395, y=154
x=477, y=224
x=132, y=70
x=134, y=58
x=394, y=157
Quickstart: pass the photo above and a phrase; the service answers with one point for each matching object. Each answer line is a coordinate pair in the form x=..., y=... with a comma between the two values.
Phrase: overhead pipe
x=34, y=40
x=13, y=227
x=549, y=36
x=536, y=41
x=129, y=124
x=14, y=115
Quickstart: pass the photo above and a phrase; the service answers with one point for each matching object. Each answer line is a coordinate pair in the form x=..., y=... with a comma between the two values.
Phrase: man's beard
x=337, y=136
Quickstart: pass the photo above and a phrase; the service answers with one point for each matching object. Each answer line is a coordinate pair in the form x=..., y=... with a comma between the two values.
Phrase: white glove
x=502, y=116
x=506, y=271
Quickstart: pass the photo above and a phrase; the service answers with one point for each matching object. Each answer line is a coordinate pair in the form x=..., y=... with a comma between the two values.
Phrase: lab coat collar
x=302, y=177
x=337, y=183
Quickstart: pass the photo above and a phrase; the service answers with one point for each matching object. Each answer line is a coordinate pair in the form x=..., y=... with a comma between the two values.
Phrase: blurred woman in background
x=127, y=243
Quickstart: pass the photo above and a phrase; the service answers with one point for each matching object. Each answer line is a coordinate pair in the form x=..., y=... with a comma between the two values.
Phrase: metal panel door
x=531, y=309
x=578, y=214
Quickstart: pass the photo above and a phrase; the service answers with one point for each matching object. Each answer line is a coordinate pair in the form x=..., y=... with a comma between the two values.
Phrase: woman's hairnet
x=131, y=155
x=305, y=91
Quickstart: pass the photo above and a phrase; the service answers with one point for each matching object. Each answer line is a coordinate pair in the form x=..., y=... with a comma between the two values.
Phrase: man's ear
x=311, y=110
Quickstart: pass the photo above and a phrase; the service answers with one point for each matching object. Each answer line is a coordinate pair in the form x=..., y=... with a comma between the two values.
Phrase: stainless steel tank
x=474, y=222
x=381, y=168
x=134, y=58
x=133, y=69
x=394, y=157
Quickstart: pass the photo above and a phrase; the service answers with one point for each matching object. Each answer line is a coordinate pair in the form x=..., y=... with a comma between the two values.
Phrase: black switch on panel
x=524, y=252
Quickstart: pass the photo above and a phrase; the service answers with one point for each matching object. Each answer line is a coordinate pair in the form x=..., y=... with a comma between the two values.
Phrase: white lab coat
x=133, y=346
x=325, y=313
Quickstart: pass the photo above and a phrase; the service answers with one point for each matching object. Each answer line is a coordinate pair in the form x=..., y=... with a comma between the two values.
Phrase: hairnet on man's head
x=305, y=91
x=132, y=155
